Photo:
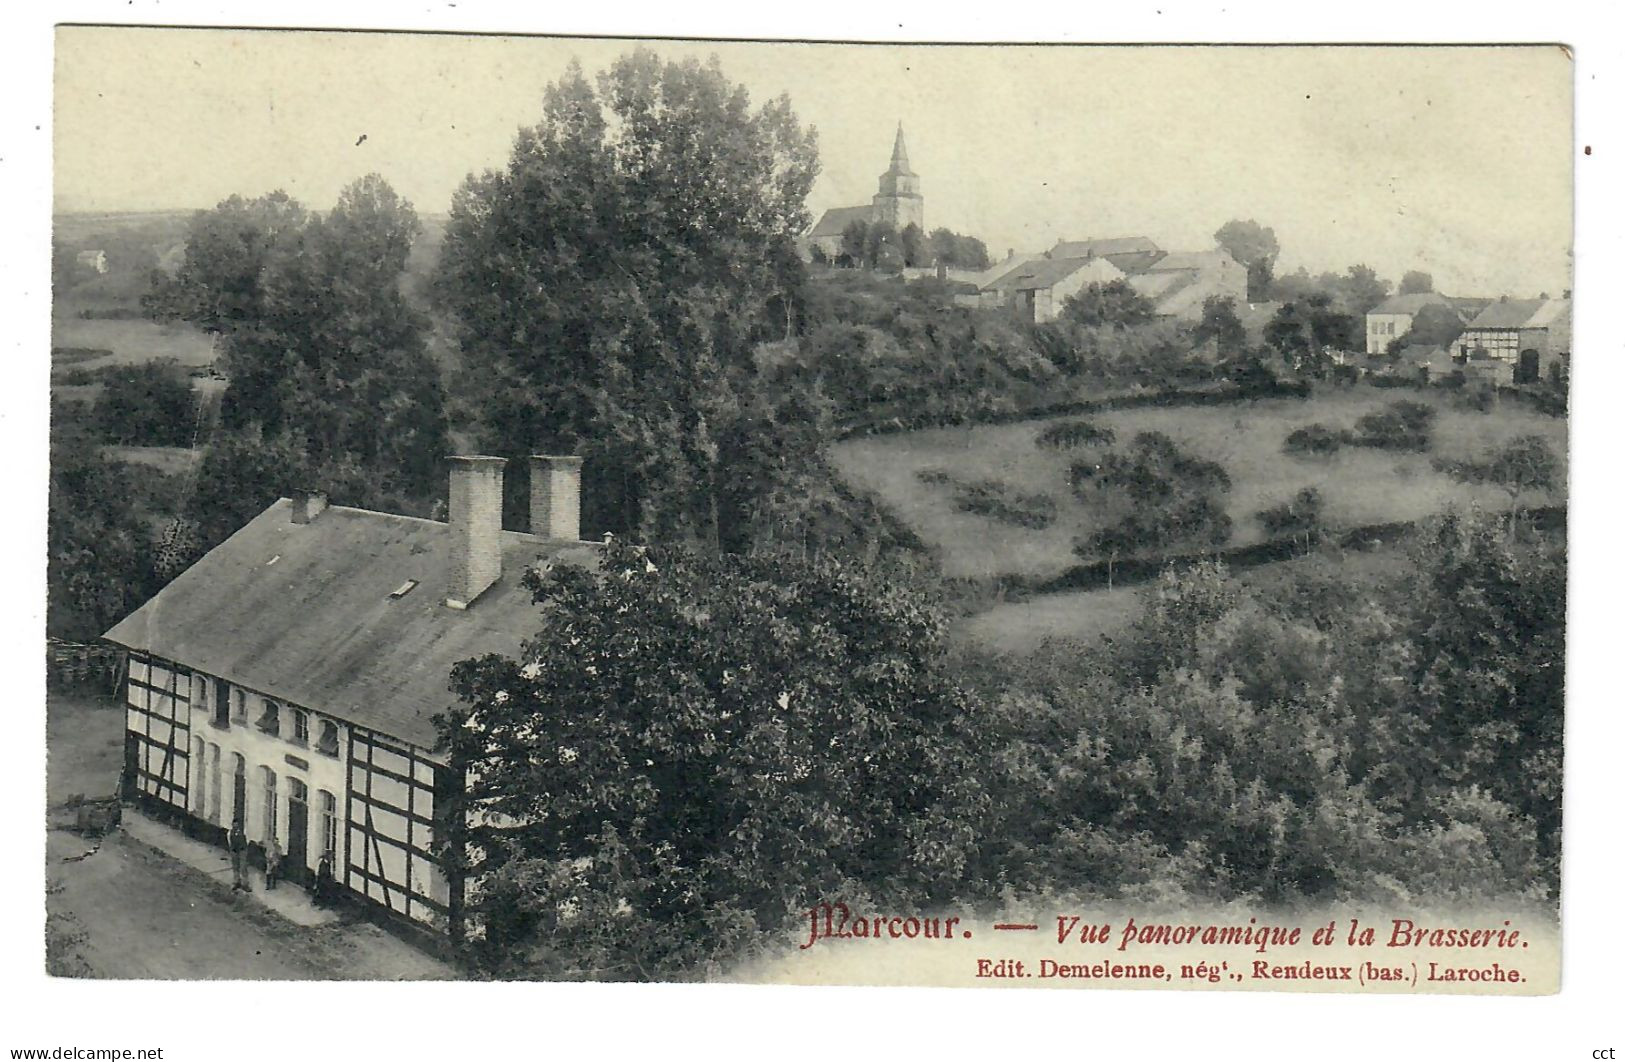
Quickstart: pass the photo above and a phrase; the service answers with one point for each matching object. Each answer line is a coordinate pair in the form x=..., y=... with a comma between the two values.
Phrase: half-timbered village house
x=287, y=680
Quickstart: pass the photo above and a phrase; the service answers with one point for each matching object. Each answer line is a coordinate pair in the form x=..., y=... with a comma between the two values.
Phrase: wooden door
x=298, y=830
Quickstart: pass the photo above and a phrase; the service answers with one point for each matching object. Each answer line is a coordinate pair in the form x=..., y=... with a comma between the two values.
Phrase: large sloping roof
x=1506, y=313
x=1039, y=274
x=1409, y=304
x=836, y=219
x=1093, y=248
x=1553, y=312
x=1186, y=261
x=302, y=613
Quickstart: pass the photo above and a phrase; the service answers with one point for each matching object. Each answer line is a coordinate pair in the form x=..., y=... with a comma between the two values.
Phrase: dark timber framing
x=142, y=745
x=365, y=871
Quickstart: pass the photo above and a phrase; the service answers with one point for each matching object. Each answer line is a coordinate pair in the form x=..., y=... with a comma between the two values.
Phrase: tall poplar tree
x=611, y=284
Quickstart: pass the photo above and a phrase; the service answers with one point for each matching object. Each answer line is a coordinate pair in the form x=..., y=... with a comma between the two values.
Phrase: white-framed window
x=200, y=788
x=301, y=727
x=270, y=803
x=214, y=784
x=271, y=718
x=328, y=742
x=330, y=827
x=239, y=706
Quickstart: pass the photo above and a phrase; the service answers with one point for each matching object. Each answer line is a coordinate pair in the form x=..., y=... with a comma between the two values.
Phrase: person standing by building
x=237, y=843
x=273, y=861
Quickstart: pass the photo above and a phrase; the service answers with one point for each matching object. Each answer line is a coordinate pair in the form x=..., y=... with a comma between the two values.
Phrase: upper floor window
x=270, y=719
x=301, y=727
x=328, y=742
x=239, y=706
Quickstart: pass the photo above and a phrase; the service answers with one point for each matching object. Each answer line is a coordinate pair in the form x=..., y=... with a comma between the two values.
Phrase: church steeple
x=899, y=156
x=898, y=200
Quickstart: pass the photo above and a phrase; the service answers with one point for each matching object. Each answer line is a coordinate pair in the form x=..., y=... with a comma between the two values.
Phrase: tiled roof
x=303, y=614
x=1410, y=304
x=836, y=219
x=1093, y=248
x=1505, y=313
x=1191, y=260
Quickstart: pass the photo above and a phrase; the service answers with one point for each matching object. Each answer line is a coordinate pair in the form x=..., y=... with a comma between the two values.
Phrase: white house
x=288, y=679
x=1393, y=317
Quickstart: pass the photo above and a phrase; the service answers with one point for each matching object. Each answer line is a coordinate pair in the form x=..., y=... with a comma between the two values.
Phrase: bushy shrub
x=1299, y=518
x=1315, y=439
x=1403, y=425
x=993, y=499
x=1073, y=433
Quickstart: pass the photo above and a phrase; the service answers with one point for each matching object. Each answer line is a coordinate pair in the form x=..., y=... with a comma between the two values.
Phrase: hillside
x=1360, y=486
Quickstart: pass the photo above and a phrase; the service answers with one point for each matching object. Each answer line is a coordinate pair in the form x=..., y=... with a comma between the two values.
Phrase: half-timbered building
x=288, y=680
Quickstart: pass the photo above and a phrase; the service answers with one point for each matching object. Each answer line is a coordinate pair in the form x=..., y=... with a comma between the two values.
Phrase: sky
x=1455, y=161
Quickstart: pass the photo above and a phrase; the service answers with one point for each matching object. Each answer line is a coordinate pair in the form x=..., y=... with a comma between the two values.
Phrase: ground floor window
x=200, y=789
x=330, y=827
x=213, y=805
x=270, y=803
x=239, y=790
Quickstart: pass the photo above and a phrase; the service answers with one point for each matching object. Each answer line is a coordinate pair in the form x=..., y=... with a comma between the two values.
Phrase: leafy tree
x=695, y=748
x=855, y=241
x=1362, y=290
x=98, y=550
x=1523, y=464
x=610, y=286
x=147, y=405
x=1256, y=248
x=1433, y=326
x=1489, y=622
x=1299, y=519
x=243, y=472
x=882, y=247
x=1158, y=497
x=1221, y=325
x=957, y=251
x=1113, y=303
x=319, y=343
x=1304, y=330
x=1416, y=282
x=911, y=241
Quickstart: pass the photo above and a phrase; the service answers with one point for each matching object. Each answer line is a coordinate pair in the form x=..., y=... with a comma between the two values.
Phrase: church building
x=897, y=201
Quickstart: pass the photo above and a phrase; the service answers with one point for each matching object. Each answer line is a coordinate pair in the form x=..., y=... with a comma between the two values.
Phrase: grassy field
x=1360, y=486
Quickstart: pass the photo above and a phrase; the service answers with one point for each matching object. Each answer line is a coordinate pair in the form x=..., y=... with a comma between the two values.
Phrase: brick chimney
x=475, y=516
x=555, y=497
x=307, y=504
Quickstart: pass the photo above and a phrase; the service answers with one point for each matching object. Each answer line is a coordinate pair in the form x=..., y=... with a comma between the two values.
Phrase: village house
x=1038, y=289
x=287, y=680
x=95, y=261
x=1524, y=338
x=1392, y=318
x=1179, y=284
x=897, y=202
x=1176, y=284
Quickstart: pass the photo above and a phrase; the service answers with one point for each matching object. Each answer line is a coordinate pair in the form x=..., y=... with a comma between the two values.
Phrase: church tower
x=899, y=200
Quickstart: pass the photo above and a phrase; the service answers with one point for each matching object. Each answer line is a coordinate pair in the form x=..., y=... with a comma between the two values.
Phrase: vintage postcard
x=1023, y=516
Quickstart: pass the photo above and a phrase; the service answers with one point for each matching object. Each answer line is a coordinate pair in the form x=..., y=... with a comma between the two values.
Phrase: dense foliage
x=1396, y=741
x=1157, y=497
x=319, y=344
x=692, y=749
x=147, y=405
x=643, y=359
